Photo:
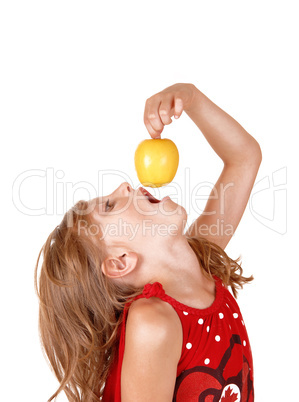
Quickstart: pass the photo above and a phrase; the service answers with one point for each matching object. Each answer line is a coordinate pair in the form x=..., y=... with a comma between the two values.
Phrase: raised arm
x=239, y=151
x=241, y=155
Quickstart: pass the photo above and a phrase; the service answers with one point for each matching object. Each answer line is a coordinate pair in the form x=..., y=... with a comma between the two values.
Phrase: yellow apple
x=156, y=162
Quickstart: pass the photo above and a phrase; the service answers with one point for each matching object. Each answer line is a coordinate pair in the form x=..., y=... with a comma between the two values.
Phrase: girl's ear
x=117, y=267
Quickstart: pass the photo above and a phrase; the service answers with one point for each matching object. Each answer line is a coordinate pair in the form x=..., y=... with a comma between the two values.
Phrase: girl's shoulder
x=153, y=338
x=153, y=331
x=153, y=315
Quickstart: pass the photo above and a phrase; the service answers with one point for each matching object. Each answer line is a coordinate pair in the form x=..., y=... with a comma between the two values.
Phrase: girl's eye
x=107, y=206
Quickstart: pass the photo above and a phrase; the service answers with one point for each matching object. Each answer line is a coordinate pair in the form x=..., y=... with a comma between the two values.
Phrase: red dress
x=216, y=360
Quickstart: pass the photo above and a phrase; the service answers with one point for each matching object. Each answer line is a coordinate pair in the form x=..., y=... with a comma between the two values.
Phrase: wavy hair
x=80, y=309
x=214, y=261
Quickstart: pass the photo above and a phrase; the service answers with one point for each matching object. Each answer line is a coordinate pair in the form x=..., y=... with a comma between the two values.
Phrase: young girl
x=149, y=317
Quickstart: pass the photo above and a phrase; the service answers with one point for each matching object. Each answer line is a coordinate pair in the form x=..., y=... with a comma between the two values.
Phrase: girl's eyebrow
x=101, y=204
x=98, y=204
x=101, y=200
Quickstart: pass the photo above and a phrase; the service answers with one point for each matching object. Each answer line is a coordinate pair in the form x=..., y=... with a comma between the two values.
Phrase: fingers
x=152, y=118
x=157, y=114
x=178, y=107
x=160, y=108
x=166, y=111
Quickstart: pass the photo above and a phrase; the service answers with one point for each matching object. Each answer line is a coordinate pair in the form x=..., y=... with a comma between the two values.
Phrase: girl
x=149, y=317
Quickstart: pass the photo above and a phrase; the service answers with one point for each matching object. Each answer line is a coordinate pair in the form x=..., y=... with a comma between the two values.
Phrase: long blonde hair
x=80, y=309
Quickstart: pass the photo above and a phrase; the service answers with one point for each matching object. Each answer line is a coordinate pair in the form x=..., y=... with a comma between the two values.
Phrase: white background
x=74, y=79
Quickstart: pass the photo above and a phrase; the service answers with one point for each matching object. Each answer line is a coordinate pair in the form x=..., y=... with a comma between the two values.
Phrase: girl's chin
x=175, y=213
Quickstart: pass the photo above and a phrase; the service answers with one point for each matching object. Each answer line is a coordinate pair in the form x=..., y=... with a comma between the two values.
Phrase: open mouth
x=149, y=196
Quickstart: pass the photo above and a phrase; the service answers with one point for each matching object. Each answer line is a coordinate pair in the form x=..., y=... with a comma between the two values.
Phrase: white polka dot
x=221, y=316
x=189, y=345
x=208, y=329
x=185, y=313
x=207, y=361
x=244, y=343
x=200, y=321
x=242, y=322
x=235, y=315
x=217, y=338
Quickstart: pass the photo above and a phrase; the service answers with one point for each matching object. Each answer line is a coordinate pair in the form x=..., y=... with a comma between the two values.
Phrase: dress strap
x=149, y=290
x=153, y=290
x=156, y=290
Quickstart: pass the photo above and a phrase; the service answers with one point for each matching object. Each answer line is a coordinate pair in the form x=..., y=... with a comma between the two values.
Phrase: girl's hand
x=160, y=108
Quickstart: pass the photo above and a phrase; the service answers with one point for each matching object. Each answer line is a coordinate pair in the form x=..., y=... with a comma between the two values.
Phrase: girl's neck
x=179, y=272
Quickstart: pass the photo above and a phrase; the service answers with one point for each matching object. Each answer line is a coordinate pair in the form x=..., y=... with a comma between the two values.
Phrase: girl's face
x=128, y=215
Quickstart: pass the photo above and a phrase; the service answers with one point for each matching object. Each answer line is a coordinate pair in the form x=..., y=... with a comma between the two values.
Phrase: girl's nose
x=126, y=188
